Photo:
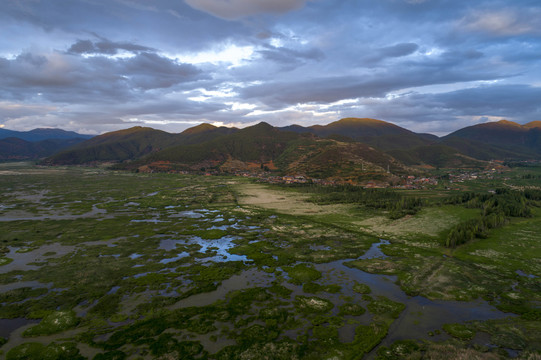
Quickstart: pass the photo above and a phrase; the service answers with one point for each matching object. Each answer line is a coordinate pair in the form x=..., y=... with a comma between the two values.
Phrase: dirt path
x=282, y=201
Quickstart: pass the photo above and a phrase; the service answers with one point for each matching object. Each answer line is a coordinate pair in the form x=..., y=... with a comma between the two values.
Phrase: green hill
x=351, y=148
x=288, y=153
x=508, y=135
x=436, y=155
x=257, y=144
x=484, y=151
x=201, y=133
x=331, y=159
x=133, y=143
x=378, y=133
x=115, y=146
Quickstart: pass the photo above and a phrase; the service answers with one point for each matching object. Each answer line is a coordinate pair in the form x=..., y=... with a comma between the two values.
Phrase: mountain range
x=350, y=149
x=37, y=143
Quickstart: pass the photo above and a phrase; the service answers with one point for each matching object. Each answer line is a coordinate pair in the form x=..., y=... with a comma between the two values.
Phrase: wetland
x=102, y=264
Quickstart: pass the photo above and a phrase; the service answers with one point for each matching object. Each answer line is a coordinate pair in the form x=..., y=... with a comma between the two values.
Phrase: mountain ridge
x=340, y=148
x=40, y=134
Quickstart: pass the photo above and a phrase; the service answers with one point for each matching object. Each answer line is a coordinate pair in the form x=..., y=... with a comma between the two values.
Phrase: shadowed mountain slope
x=349, y=146
x=42, y=134
x=115, y=146
x=265, y=147
x=504, y=134
x=436, y=155
x=259, y=143
x=378, y=133
x=19, y=149
x=130, y=144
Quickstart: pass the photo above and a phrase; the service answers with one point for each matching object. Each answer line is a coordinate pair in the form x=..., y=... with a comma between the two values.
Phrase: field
x=98, y=264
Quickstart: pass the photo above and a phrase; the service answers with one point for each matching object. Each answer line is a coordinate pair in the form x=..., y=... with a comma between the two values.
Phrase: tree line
x=496, y=209
x=395, y=203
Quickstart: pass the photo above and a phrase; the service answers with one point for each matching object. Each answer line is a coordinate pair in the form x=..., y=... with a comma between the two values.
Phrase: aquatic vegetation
x=302, y=273
x=312, y=304
x=5, y=261
x=53, y=323
x=361, y=288
x=459, y=331
x=38, y=351
x=398, y=350
x=351, y=309
x=203, y=273
x=314, y=288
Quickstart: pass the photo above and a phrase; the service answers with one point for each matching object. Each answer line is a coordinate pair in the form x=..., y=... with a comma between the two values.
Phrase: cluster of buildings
x=412, y=182
x=468, y=176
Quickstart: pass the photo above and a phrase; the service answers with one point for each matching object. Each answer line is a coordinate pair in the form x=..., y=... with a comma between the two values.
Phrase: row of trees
x=496, y=209
x=470, y=229
x=385, y=199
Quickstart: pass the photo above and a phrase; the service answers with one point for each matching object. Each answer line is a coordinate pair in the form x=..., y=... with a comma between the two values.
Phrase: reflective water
x=421, y=315
x=23, y=258
x=218, y=246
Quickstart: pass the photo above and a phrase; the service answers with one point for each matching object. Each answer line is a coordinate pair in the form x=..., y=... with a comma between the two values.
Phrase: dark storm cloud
x=92, y=64
x=67, y=78
x=151, y=71
x=513, y=100
x=398, y=50
x=394, y=51
x=167, y=24
x=291, y=58
x=105, y=46
x=445, y=112
x=331, y=89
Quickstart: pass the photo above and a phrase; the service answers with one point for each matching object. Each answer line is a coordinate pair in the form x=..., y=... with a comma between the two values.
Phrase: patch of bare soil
x=281, y=201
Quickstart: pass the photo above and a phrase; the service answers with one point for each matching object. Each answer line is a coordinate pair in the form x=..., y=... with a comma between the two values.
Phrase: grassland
x=100, y=264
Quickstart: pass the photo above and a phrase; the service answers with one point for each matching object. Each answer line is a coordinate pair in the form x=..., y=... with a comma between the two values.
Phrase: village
x=407, y=182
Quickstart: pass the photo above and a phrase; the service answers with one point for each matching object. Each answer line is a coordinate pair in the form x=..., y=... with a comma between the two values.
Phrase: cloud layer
x=235, y=9
x=432, y=66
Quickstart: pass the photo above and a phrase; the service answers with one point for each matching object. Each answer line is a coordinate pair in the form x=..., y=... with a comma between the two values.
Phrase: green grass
x=38, y=351
x=53, y=323
x=459, y=331
x=108, y=270
x=302, y=273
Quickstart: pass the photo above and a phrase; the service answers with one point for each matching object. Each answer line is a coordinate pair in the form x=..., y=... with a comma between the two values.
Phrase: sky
x=433, y=66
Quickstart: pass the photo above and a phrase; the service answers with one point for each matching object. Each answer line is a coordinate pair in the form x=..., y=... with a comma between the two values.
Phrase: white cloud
x=231, y=54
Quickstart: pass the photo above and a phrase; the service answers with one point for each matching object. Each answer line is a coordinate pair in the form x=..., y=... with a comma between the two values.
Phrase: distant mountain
x=201, y=133
x=504, y=134
x=42, y=134
x=436, y=155
x=264, y=147
x=18, y=149
x=352, y=127
x=133, y=143
x=533, y=124
x=257, y=144
x=484, y=151
x=349, y=149
x=378, y=133
x=115, y=146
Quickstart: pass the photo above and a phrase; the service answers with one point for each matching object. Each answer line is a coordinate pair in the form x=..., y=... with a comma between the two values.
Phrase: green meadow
x=102, y=264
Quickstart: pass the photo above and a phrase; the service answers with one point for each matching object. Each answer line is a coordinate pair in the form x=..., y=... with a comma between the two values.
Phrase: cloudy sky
x=428, y=65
